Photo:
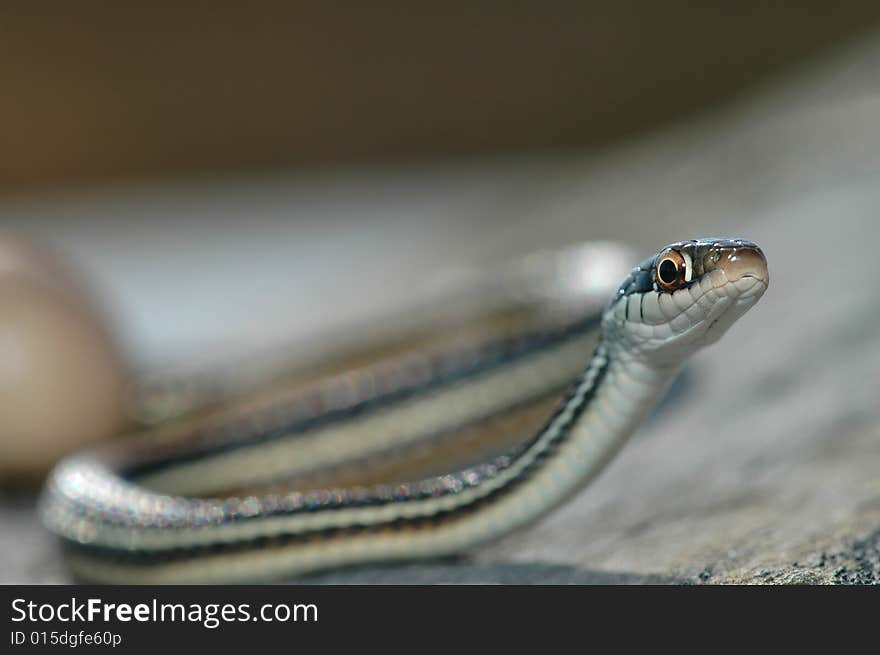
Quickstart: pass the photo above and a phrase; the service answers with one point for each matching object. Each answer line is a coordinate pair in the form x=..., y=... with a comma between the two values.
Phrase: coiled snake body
x=352, y=466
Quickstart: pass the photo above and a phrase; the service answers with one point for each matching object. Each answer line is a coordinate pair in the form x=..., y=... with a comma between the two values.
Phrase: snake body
x=333, y=471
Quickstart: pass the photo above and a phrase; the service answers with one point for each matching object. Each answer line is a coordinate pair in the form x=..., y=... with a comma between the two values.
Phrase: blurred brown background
x=97, y=91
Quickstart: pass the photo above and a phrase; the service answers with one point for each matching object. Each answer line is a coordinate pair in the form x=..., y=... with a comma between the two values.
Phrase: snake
x=428, y=445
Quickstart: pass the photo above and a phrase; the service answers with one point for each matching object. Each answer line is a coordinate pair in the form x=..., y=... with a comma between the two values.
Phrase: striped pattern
x=144, y=512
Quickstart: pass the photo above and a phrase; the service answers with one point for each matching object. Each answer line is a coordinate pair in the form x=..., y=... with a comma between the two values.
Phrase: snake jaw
x=745, y=279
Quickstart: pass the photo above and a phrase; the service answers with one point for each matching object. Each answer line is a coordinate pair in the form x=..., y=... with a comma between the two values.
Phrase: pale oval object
x=62, y=383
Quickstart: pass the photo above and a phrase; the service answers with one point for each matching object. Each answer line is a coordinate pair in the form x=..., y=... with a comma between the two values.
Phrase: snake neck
x=603, y=409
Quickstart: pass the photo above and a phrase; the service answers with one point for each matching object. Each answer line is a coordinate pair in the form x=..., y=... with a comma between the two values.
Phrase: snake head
x=686, y=296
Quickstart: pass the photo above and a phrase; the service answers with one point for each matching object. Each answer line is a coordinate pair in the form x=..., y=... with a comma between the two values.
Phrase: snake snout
x=743, y=261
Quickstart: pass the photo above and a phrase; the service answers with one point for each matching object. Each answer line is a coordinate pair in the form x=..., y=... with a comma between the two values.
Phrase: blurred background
x=229, y=177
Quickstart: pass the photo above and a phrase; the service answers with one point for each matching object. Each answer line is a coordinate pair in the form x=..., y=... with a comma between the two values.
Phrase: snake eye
x=671, y=270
